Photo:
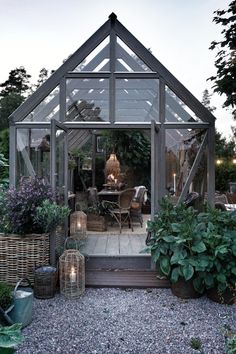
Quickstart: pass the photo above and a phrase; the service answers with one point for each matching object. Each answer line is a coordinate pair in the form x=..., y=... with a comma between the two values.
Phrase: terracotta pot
x=184, y=289
x=228, y=297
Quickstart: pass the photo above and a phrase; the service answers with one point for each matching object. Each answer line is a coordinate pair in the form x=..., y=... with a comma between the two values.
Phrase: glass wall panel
x=87, y=100
x=33, y=153
x=98, y=59
x=137, y=100
x=46, y=110
x=181, y=152
x=127, y=60
x=177, y=110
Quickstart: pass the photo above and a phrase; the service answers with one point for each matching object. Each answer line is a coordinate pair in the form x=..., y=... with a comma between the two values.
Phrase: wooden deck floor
x=114, y=244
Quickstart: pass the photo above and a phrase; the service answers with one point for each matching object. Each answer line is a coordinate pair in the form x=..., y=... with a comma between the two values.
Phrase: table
x=108, y=194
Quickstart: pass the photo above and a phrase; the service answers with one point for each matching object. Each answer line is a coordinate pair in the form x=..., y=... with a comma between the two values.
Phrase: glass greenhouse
x=112, y=82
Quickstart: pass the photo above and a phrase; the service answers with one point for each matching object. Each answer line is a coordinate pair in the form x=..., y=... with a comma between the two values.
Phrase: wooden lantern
x=72, y=274
x=78, y=225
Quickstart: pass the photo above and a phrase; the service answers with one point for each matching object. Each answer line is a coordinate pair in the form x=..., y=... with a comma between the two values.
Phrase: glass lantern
x=78, y=225
x=72, y=273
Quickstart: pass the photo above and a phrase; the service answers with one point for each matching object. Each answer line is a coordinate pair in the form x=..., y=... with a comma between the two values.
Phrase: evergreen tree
x=17, y=83
x=206, y=101
x=8, y=104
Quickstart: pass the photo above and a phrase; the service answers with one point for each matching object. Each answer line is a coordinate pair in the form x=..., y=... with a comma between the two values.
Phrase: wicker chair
x=136, y=205
x=120, y=211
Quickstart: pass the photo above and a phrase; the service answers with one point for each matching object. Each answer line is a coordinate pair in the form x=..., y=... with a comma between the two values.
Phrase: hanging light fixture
x=112, y=169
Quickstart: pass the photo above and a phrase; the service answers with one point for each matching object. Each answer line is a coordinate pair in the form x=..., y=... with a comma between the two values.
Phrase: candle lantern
x=78, y=225
x=72, y=273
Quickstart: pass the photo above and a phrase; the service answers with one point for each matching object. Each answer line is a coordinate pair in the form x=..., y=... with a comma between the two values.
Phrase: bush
x=21, y=205
x=5, y=295
x=50, y=215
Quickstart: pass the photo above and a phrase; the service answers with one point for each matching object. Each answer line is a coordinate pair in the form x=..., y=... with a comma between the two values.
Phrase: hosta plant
x=177, y=247
x=219, y=237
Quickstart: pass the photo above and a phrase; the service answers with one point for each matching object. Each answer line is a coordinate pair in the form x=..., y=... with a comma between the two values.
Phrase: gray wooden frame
x=114, y=29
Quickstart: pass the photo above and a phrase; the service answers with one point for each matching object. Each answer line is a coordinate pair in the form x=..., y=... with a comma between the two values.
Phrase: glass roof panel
x=127, y=60
x=87, y=100
x=46, y=109
x=98, y=59
x=137, y=100
x=177, y=110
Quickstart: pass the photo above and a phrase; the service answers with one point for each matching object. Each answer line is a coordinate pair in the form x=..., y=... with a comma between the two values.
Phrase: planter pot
x=184, y=289
x=20, y=255
x=228, y=297
x=45, y=281
x=96, y=223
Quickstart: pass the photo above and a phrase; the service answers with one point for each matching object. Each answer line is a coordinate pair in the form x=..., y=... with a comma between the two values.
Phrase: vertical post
x=12, y=155
x=62, y=100
x=112, y=83
x=211, y=166
x=153, y=169
x=94, y=137
x=161, y=146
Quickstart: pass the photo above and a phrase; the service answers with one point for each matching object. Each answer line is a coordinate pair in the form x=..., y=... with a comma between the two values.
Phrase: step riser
x=115, y=262
x=125, y=278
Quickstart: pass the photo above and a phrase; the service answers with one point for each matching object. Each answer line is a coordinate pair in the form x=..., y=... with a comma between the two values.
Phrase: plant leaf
x=165, y=265
x=174, y=275
x=199, y=247
x=188, y=272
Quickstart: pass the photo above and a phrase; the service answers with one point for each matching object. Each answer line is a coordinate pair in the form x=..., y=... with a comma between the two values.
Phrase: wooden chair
x=136, y=205
x=120, y=211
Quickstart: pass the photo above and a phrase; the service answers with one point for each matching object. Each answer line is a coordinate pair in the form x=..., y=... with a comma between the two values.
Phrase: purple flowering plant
x=21, y=204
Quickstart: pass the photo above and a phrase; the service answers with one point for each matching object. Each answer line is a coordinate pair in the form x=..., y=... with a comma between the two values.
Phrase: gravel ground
x=117, y=321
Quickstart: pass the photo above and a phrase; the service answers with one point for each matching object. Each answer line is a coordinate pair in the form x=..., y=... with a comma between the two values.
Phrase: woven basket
x=20, y=255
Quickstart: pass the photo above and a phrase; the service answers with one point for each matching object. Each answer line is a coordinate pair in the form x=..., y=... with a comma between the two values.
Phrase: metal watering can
x=21, y=309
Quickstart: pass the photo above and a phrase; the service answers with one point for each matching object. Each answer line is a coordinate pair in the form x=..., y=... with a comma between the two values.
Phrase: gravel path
x=116, y=321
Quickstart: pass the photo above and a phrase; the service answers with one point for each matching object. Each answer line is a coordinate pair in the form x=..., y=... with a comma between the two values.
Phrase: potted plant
x=96, y=217
x=26, y=228
x=219, y=237
x=177, y=248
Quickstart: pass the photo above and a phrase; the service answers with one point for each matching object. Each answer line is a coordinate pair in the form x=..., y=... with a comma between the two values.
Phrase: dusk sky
x=42, y=33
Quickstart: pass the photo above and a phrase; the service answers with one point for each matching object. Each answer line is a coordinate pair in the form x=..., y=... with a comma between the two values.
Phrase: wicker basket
x=96, y=223
x=20, y=255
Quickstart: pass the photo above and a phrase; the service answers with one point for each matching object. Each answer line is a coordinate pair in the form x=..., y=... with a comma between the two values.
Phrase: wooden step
x=106, y=262
x=128, y=278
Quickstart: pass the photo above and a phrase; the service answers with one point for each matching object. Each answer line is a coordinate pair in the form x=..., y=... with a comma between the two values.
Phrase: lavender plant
x=21, y=204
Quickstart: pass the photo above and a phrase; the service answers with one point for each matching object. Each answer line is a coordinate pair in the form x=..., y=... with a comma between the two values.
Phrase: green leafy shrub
x=219, y=237
x=192, y=245
x=176, y=244
x=5, y=295
x=231, y=345
x=10, y=336
x=49, y=215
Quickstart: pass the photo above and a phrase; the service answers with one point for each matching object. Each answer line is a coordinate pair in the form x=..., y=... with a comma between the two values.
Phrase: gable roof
x=113, y=28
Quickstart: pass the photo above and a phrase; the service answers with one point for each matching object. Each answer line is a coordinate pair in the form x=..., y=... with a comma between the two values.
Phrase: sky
x=42, y=33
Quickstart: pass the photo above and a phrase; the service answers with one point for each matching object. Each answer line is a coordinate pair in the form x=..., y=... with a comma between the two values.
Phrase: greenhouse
x=112, y=83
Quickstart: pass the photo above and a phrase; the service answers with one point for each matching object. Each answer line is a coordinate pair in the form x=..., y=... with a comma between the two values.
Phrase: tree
x=206, y=100
x=43, y=76
x=225, y=63
x=17, y=82
x=8, y=104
